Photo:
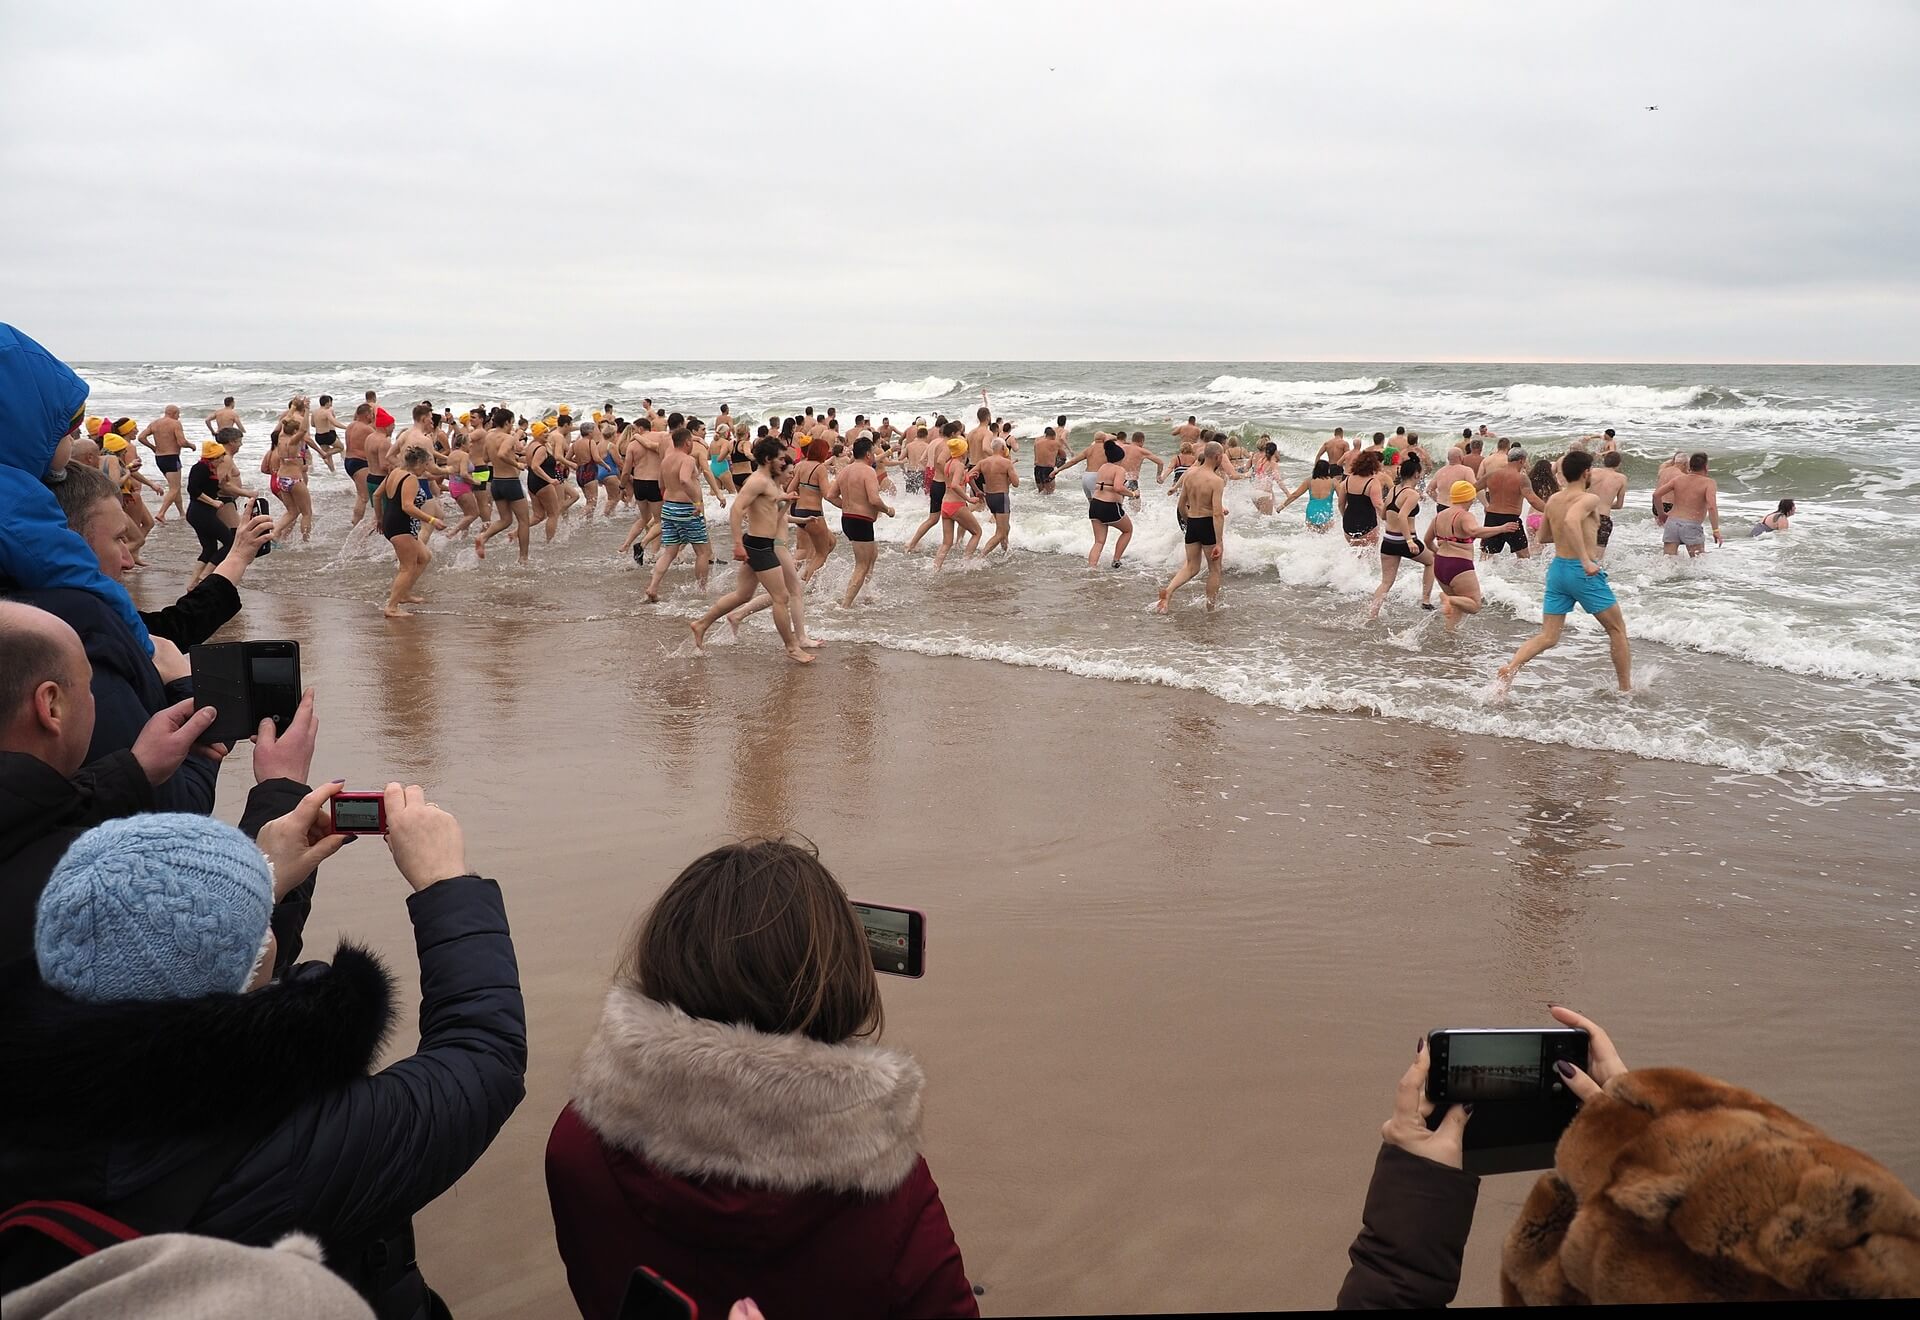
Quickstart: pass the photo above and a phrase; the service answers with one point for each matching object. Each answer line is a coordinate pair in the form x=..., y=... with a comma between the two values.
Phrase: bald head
x=1455, y=454
x=46, y=696
x=1211, y=451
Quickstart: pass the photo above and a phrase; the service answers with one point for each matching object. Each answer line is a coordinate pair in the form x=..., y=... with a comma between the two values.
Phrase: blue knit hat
x=161, y=906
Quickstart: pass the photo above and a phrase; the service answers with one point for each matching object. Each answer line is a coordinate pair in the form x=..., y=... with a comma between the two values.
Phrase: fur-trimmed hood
x=1673, y=1187
x=708, y=1100
x=88, y=1083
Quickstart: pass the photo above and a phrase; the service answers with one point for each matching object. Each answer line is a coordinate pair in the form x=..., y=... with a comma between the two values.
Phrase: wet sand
x=1175, y=975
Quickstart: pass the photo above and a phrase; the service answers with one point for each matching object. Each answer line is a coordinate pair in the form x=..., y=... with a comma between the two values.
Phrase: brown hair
x=1367, y=464
x=759, y=933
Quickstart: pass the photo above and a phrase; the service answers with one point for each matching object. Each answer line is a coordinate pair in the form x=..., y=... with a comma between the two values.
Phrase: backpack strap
x=78, y=1228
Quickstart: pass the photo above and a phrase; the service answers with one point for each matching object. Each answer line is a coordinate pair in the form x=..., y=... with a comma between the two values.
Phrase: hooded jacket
x=103, y=1101
x=741, y=1164
x=39, y=397
x=1674, y=1187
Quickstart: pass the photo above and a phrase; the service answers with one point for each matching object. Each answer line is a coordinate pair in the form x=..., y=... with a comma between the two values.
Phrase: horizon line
x=955, y=361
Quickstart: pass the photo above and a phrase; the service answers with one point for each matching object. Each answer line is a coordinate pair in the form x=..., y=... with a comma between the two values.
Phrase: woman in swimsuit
x=806, y=482
x=1266, y=477
x=208, y=497
x=740, y=461
x=958, y=504
x=1104, y=507
x=1318, y=488
x=287, y=464
x=1544, y=477
x=543, y=480
x=1398, y=541
x=405, y=490
x=460, y=485
x=1775, y=521
x=1453, y=533
x=1360, y=499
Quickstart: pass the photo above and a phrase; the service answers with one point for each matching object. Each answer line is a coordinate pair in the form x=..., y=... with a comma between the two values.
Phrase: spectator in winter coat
x=143, y=1083
x=732, y=1129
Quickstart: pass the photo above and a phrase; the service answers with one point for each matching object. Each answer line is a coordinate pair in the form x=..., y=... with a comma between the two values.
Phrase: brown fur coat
x=1673, y=1187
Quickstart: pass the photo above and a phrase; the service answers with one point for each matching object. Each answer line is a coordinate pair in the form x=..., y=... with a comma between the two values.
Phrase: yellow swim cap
x=538, y=429
x=957, y=447
x=212, y=449
x=465, y=417
x=1462, y=492
x=93, y=426
x=113, y=444
x=599, y=416
x=128, y=428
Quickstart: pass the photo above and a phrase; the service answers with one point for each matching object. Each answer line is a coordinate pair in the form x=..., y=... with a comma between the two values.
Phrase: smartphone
x=650, y=1297
x=1520, y=1102
x=260, y=506
x=896, y=937
x=359, y=813
x=247, y=682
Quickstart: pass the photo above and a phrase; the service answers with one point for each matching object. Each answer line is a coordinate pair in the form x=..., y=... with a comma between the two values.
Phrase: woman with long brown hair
x=732, y=1125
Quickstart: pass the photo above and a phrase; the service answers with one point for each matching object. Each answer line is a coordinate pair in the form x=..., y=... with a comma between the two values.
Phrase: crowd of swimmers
x=494, y=472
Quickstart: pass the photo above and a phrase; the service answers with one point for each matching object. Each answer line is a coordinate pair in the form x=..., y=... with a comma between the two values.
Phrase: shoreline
x=1170, y=1036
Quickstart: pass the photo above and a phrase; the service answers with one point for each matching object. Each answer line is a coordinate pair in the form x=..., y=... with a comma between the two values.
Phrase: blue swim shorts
x=1568, y=585
x=682, y=524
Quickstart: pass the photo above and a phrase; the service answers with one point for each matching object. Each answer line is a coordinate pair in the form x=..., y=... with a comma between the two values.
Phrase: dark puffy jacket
x=41, y=814
x=1413, y=1234
x=196, y=616
x=103, y=1101
x=127, y=692
x=40, y=397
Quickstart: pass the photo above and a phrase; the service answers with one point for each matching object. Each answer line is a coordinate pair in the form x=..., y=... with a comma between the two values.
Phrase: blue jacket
x=39, y=398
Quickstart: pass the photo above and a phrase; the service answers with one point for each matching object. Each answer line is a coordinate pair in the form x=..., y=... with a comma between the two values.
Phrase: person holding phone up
x=157, y=1076
x=1668, y=1186
x=731, y=1124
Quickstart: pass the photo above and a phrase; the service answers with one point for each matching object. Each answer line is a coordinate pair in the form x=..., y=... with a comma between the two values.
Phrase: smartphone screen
x=1520, y=1102
x=220, y=681
x=273, y=673
x=896, y=937
x=356, y=816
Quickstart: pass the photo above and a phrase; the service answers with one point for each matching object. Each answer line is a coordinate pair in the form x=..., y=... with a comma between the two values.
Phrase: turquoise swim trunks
x=1568, y=585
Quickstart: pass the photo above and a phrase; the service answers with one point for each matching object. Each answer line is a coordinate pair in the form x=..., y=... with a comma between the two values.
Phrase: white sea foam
x=1253, y=389
x=703, y=384
x=930, y=387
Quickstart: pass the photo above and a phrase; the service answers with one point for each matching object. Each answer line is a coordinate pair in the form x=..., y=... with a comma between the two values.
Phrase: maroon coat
x=738, y=1164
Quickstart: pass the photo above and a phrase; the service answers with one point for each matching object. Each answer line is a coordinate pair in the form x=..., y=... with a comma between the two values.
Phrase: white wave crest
x=1589, y=400
x=932, y=387
x=702, y=383
x=1253, y=389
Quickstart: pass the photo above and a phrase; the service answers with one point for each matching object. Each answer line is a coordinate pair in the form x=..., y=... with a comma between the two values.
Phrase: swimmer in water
x=1609, y=485
x=1104, y=509
x=1450, y=536
x=1361, y=499
x=998, y=476
x=401, y=513
x=1400, y=512
x=856, y=493
x=757, y=523
x=1695, y=500
x=957, y=504
x=1318, y=488
x=1203, y=510
x=683, y=515
x=1775, y=521
x=1575, y=577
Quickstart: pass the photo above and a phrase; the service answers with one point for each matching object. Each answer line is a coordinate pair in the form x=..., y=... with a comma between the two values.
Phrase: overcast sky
x=1241, y=181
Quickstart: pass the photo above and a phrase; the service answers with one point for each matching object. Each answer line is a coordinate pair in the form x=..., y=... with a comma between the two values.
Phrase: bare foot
x=395, y=612
x=413, y=600
x=795, y=654
x=812, y=643
x=1161, y=608
x=1114, y=564
x=653, y=597
x=480, y=546
x=734, y=624
x=699, y=632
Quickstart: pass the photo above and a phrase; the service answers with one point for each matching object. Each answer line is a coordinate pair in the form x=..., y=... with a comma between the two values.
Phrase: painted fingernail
x=1468, y=1110
x=1420, y=1046
x=336, y=781
x=1564, y=1068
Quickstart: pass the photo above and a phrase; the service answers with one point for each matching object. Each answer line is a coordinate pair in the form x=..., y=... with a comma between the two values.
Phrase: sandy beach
x=1173, y=980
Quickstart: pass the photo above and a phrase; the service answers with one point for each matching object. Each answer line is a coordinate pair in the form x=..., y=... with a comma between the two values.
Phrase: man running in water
x=997, y=477
x=223, y=417
x=977, y=438
x=642, y=470
x=856, y=493
x=326, y=433
x=1694, y=500
x=1506, y=488
x=683, y=513
x=1575, y=576
x=1335, y=449
x=1048, y=454
x=511, y=508
x=1203, y=510
x=1609, y=485
x=755, y=520
x=167, y=440
x=355, y=462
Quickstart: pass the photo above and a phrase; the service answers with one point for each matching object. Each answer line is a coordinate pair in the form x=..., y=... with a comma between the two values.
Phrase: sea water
x=1795, y=655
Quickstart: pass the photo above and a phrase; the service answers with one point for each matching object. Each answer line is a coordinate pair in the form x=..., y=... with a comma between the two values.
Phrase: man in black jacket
x=50, y=792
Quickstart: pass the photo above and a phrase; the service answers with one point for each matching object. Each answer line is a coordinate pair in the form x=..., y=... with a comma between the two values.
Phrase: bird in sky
x=1653, y=107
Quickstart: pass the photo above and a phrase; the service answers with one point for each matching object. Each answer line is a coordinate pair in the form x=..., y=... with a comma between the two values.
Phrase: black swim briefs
x=1515, y=540
x=648, y=491
x=168, y=462
x=856, y=528
x=1200, y=531
x=996, y=501
x=1104, y=511
x=761, y=555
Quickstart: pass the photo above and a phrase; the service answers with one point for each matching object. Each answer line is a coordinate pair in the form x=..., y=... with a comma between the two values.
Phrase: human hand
x=252, y=534
x=167, y=738
x=297, y=842
x=168, y=662
x=1591, y=566
x=1603, y=1060
x=425, y=841
x=287, y=755
x=739, y=551
x=1717, y=538
x=744, y=1309
x=1407, y=1129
